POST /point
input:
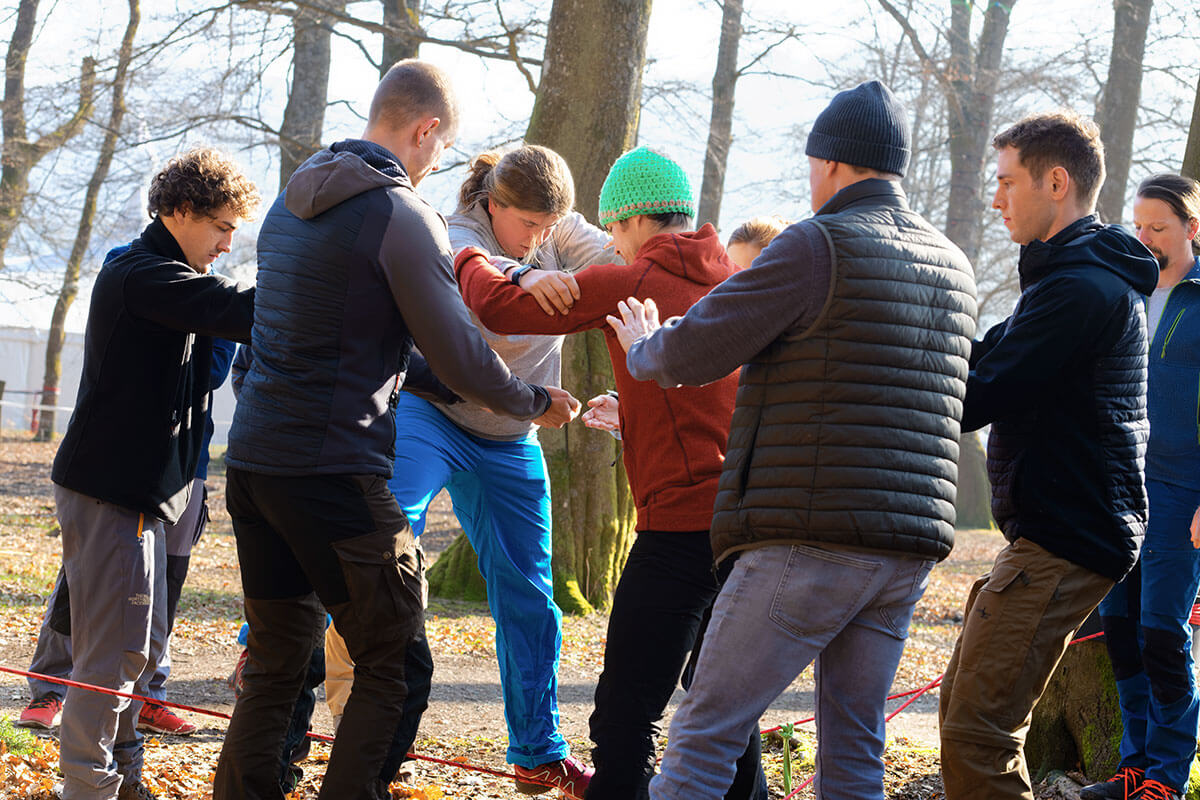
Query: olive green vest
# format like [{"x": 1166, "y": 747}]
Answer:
[{"x": 846, "y": 431}]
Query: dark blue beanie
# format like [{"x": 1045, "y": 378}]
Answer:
[{"x": 865, "y": 126}]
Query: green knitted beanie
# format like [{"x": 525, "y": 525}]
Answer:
[{"x": 645, "y": 182}]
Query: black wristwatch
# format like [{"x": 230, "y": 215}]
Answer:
[{"x": 515, "y": 275}]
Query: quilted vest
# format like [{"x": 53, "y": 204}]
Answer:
[{"x": 846, "y": 432}]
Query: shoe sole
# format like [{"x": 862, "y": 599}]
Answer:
[
  {"x": 163, "y": 731},
  {"x": 30, "y": 723}
]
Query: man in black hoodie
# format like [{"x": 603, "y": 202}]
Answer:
[
  {"x": 127, "y": 462},
  {"x": 1063, "y": 384}
]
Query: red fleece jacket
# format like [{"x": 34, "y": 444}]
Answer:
[{"x": 674, "y": 438}]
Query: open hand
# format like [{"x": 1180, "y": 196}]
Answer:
[
  {"x": 637, "y": 320},
  {"x": 563, "y": 408},
  {"x": 554, "y": 291},
  {"x": 602, "y": 414}
]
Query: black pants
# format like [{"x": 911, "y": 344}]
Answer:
[
  {"x": 661, "y": 602},
  {"x": 342, "y": 539}
]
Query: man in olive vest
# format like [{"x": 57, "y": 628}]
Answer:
[{"x": 837, "y": 494}]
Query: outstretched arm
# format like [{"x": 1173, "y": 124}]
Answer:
[{"x": 784, "y": 290}]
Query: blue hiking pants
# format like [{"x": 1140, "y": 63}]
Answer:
[
  {"x": 1149, "y": 641},
  {"x": 501, "y": 496}
]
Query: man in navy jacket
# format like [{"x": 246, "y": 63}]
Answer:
[{"x": 1063, "y": 384}]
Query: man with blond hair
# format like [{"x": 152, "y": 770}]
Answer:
[
  {"x": 126, "y": 464},
  {"x": 1062, "y": 382}
]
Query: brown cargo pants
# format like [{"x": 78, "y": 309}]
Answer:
[{"x": 1019, "y": 619}]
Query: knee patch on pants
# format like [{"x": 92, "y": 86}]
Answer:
[
  {"x": 1165, "y": 660},
  {"x": 1120, "y": 637}
]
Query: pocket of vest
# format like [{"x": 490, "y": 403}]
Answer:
[{"x": 744, "y": 471}]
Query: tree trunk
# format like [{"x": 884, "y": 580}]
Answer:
[
  {"x": 1191, "y": 156},
  {"x": 593, "y": 510},
  {"x": 972, "y": 100},
  {"x": 304, "y": 116},
  {"x": 720, "y": 124},
  {"x": 18, "y": 155},
  {"x": 1077, "y": 723},
  {"x": 973, "y": 506},
  {"x": 400, "y": 15},
  {"x": 1116, "y": 114},
  {"x": 83, "y": 235}
]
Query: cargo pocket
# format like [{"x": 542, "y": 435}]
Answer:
[
  {"x": 382, "y": 578},
  {"x": 999, "y": 627}
]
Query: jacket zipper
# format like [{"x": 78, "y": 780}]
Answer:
[{"x": 1170, "y": 331}]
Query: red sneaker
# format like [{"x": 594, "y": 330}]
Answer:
[
  {"x": 44, "y": 712},
  {"x": 1194, "y": 617},
  {"x": 160, "y": 719},
  {"x": 569, "y": 776}
]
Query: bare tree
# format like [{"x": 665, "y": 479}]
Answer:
[
  {"x": 1116, "y": 114},
  {"x": 83, "y": 235},
  {"x": 403, "y": 20},
  {"x": 720, "y": 127},
  {"x": 304, "y": 115},
  {"x": 19, "y": 154},
  {"x": 1191, "y": 155},
  {"x": 969, "y": 81},
  {"x": 594, "y": 511}
]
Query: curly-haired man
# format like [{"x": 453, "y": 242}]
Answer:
[{"x": 126, "y": 463}]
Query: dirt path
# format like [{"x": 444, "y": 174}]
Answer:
[{"x": 465, "y": 717}]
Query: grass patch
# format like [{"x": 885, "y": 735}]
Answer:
[
  {"x": 14, "y": 739},
  {"x": 210, "y": 604}
]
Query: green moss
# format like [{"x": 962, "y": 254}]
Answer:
[{"x": 568, "y": 595}]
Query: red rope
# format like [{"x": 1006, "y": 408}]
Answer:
[
  {"x": 916, "y": 693},
  {"x": 320, "y": 737}
]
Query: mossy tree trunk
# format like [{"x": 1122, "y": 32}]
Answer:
[
  {"x": 973, "y": 506},
  {"x": 1077, "y": 723},
  {"x": 589, "y": 115}
]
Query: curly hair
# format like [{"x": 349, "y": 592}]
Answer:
[{"x": 201, "y": 181}]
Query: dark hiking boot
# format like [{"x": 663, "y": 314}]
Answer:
[
  {"x": 1155, "y": 790},
  {"x": 1119, "y": 787}
]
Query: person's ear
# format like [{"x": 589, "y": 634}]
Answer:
[
  {"x": 1060, "y": 182},
  {"x": 425, "y": 129}
]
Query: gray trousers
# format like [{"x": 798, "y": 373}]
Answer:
[
  {"x": 53, "y": 653},
  {"x": 109, "y": 557}
]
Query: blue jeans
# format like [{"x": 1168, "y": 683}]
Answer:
[
  {"x": 782, "y": 608},
  {"x": 501, "y": 496},
  {"x": 1149, "y": 641}
]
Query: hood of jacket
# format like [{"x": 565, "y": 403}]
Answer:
[
  {"x": 1088, "y": 242},
  {"x": 696, "y": 256},
  {"x": 343, "y": 170}
]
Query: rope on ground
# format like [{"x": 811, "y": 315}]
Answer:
[
  {"x": 936, "y": 682},
  {"x": 320, "y": 737},
  {"x": 912, "y": 694}
]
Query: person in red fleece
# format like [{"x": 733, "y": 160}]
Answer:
[{"x": 674, "y": 450}]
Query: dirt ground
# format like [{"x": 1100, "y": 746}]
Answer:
[{"x": 465, "y": 718}]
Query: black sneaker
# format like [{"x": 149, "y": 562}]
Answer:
[
  {"x": 1155, "y": 790},
  {"x": 1119, "y": 787}
]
